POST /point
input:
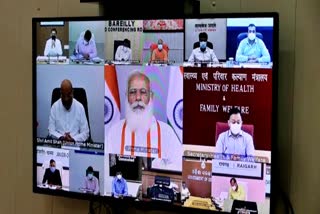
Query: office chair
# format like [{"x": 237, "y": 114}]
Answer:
[
  {"x": 197, "y": 44},
  {"x": 243, "y": 35},
  {"x": 80, "y": 95}
]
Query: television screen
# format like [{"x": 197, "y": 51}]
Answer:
[{"x": 178, "y": 111}]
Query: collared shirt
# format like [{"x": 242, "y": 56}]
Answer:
[
  {"x": 163, "y": 142},
  {"x": 242, "y": 144},
  {"x": 207, "y": 56},
  {"x": 258, "y": 50},
  {"x": 158, "y": 55},
  {"x": 82, "y": 47},
  {"x": 123, "y": 53},
  {"x": 240, "y": 194},
  {"x": 73, "y": 121},
  {"x": 53, "y": 47},
  {"x": 92, "y": 184},
  {"x": 119, "y": 187}
]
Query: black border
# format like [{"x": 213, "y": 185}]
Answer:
[{"x": 153, "y": 204}]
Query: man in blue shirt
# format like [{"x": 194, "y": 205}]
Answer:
[
  {"x": 235, "y": 141},
  {"x": 119, "y": 186},
  {"x": 252, "y": 49}
]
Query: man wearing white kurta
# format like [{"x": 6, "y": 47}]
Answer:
[
  {"x": 53, "y": 45},
  {"x": 140, "y": 133},
  {"x": 67, "y": 119}
]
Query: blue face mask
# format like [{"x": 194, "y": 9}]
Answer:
[
  {"x": 90, "y": 176},
  {"x": 160, "y": 46},
  {"x": 52, "y": 169},
  {"x": 203, "y": 45}
]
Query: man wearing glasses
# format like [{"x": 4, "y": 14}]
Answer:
[
  {"x": 140, "y": 133},
  {"x": 235, "y": 141},
  {"x": 252, "y": 49}
]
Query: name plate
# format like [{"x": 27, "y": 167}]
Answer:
[{"x": 237, "y": 168}]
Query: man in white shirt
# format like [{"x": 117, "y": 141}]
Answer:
[
  {"x": 68, "y": 119},
  {"x": 203, "y": 53},
  {"x": 140, "y": 133},
  {"x": 185, "y": 193},
  {"x": 235, "y": 141},
  {"x": 124, "y": 53},
  {"x": 85, "y": 47},
  {"x": 53, "y": 45}
]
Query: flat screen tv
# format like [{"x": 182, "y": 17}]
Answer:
[{"x": 171, "y": 111}]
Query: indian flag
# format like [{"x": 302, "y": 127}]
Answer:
[
  {"x": 175, "y": 100},
  {"x": 111, "y": 97}
]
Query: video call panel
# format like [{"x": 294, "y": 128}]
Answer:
[{"x": 140, "y": 105}]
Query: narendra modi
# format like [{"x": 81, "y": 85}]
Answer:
[{"x": 140, "y": 133}]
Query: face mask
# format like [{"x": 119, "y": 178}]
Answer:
[
  {"x": 251, "y": 36},
  {"x": 52, "y": 168},
  {"x": 234, "y": 188},
  {"x": 160, "y": 46},
  {"x": 90, "y": 176},
  {"x": 119, "y": 176},
  {"x": 235, "y": 128},
  {"x": 53, "y": 37},
  {"x": 203, "y": 45}
]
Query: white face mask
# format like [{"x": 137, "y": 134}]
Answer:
[
  {"x": 119, "y": 176},
  {"x": 125, "y": 49},
  {"x": 251, "y": 36},
  {"x": 160, "y": 46},
  {"x": 234, "y": 188},
  {"x": 235, "y": 128}
]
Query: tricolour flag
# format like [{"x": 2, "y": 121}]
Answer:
[
  {"x": 111, "y": 97},
  {"x": 175, "y": 100}
]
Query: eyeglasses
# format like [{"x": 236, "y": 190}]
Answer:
[{"x": 143, "y": 92}]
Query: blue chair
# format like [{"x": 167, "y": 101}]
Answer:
[{"x": 243, "y": 35}]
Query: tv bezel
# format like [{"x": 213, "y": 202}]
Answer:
[{"x": 155, "y": 205}]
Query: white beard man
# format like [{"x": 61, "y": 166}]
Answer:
[{"x": 140, "y": 133}]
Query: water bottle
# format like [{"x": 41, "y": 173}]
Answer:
[{"x": 230, "y": 62}]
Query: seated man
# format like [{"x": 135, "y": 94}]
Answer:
[
  {"x": 235, "y": 141},
  {"x": 159, "y": 54},
  {"x": 53, "y": 45},
  {"x": 203, "y": 53},
  {"x": 68, "y": 119},
  {"x": 185, "y": 193},
  {"x": 236, "y": 192},
  {"x": 119, "y": 186},
  {"x": 52, "y": 175},
  {"x": 140, "y": 133},
  {"x": 252, "y": 49},
  {"x": 124, "y": 53},
  {"x": 85, "y": 47},
  {"x": 91, "y": 183}
]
